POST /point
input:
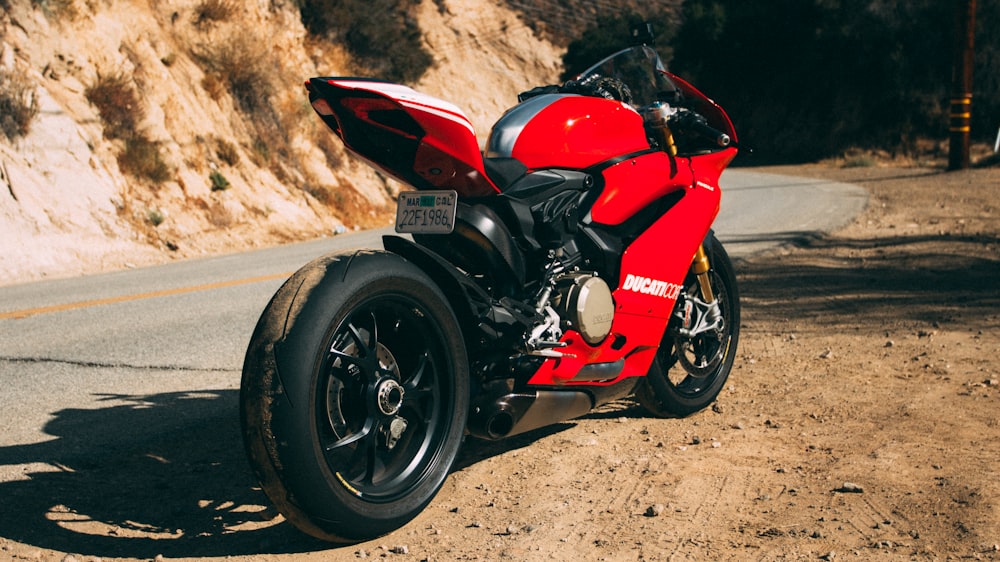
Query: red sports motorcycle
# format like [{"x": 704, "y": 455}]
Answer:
[{"x": 571, "y": 265}]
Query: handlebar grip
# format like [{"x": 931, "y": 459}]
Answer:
[
  {"x": 713, "y": 134},
  {"x": 692, "y": 122}
]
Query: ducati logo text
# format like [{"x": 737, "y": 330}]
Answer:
[{"x": 654, "y": 287}]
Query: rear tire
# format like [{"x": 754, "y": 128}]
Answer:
[
  {"x": 688, "y": 373},
  {"x": 354, "y": 395}
]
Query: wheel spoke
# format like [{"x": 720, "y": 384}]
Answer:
[
  {"x": 417, "y": 387},
  {"x": 365, "y": 433},
  {"x": 366, "y": 347},
  {"x": 346, "y": 358},
  {"x": 369, "y": 450}
]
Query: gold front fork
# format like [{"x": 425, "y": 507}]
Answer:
[{"x": 700, "y": 267}]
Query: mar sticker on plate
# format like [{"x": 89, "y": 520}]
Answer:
[{"x": 426, "y": 212}]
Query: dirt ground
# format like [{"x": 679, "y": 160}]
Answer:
[{"x": 860, "y": 423}]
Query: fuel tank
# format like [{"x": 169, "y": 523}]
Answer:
[{"x": 566, "y": 131}]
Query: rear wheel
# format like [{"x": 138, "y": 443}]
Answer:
[
  {"x": 354, "y": 396},
  {"x": 689, "y": 371}
]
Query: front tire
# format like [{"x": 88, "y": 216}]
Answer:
[
  {"x": 689, "y": 372},
  {"x": 354, "y": 395}
]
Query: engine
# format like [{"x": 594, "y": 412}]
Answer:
[
  {"x": 584, "y": 304},
  {"x": 571, "y": 301}
]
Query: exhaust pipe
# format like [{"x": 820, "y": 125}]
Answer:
[{"x": 519, "y": 412}]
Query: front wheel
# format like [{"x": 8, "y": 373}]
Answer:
[
  {"x": 689, "y": 371},
  {"x": 354, "y": 395}
]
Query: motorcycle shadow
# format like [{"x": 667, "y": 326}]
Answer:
[
  {"x": 161, "y": 474},
  {"x": 165, "y": 474}
]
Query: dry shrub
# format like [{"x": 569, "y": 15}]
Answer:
[
  {"x": 227, "y": 152},
  {"x": 244, "y": 66},
  {"x": 118, "y": 105},
  {"x": 64, "y": 8},
  {"x": 18, "y": 104},
  {"x": 142, "y": 158},
  {"x": 384, "y": 35},
  {"x": 213, "y": 11},
  {"x": 121, "y": 111}
]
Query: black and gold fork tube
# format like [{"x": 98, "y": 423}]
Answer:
[{"x": 700, "y": 267}]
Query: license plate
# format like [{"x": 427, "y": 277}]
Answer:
[{"x": 426, "y": 212}]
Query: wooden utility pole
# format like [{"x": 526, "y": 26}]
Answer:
[{"x": 961, "y": 100}]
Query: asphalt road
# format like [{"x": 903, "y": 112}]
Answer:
[{"x": 71, "y": 349}]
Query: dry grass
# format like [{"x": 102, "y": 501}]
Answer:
[
  {"x": 142, "y": 158},
  {"x": 18, "y": 104},
  {"x": 209, "y": 11},
  {"x": 121, "y": 111},
  {"x": 118, "y": 104}
]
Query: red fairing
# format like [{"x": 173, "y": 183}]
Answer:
[
  {"x": 716, "y": 116},
  {"x": 417, "y": 138},
  {"x": 654, "y": 266},
  {"x": 567, "y": 131}
]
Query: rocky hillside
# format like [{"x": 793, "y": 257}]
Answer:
[{"x": 177, "y": 128}]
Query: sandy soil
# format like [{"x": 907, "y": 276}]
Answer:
[{"x": 859, "y": 424}]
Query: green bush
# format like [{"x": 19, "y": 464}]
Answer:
[
  {"x": 155, "y": 217},
  {"x": 383, "y": 34},
  {"x": 219, "y": 181},
  {"x": 18, "y": 104}
]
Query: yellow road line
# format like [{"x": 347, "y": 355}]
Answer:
[{"x": 15, "y": 314}]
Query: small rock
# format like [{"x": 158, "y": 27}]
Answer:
[
  {"x": 826, "y": 354},
  {"x": 850, "y": 488},
  {"x": 513, "y": 529},
  {"x": 402, "y": 549},
  {"x": 695, "y": 440},
  {"x": 828, "y": 556},
  {"x": 890, "y": 343},
  {"x": 716, "y": 444},
  {"x": 655, "y": 510}
]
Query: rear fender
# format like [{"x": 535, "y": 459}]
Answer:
[
  {"x": 461, "y": 293},
  {"x": 481, "y": 244}
]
